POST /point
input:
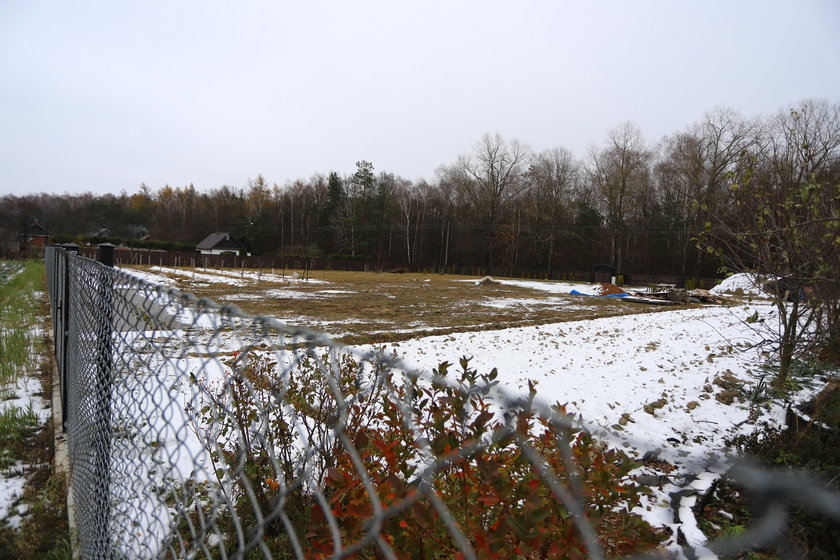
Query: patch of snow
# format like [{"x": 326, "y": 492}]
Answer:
[
  {"x": 149, "y": 277},
  {"x": 270, "y": 294},
  {"x": 256, "y": 276},
  {"x": 546, "y": 286},
  {"x": 749, "y": 284},
  {"x": 192, "y": 274},
  {"x": 11, "y": 490},
  {"x": 568, "y": 304},
  {"x": 23, "y": 395}
]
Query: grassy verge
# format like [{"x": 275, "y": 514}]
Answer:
[
  {"x": 36, "y": 526},
  {"x": 16, "y": 302}
]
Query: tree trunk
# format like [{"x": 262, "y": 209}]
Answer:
[
  {"x": 788, "y": 344},
  {"x": 550, "y": 255},
  {"x": 784, "y": 366}
]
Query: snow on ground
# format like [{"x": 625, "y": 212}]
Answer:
[
  {"x": 547, "y": 286},
  {"x": 257, "y": 276},
  {"x": 607, "y": 368},
  {"x": 748, "y": 284},
  {"x": 23, "y": 395},
  {"x": 554, "y": 287},
  {"x": 193, "y": 274},
  {"x": 282, "y": 293},
  {"x": 11, "y": 489},
  {"x": 160, "y": 279},
  {"x": 167, "y": 276},
  {"x": 551, "y": 286},
  {"x": 271, "y": 294},
  {"x": 568, "y": 304}
]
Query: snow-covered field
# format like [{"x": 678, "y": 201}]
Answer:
[
  {"x": 609, "y": 369},
  {"x": 652, "y": 383}
]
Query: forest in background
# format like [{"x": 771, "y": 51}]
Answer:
[{"x": 636, "y": 205}]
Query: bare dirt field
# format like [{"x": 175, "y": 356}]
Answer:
[{"x": 369, "y": 307}]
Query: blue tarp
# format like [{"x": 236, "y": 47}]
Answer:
[{"x": 577, "y": 293}]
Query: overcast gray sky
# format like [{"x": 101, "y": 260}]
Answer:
[{"x": 101, "y": 95}]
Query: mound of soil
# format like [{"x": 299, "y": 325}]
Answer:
[{"x": 608, "y": 289}]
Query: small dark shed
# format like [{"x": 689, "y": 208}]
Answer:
[{"x": 603, "y": 273}]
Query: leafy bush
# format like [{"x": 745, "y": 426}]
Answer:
[
  {"x": 407, "y": 447},
  {"x": 496, "y": 495}
]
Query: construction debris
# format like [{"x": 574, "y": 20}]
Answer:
[
  {"x": 705, "y": 296},
  {"x": 677, "y": 296}
]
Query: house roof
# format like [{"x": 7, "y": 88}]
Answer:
[
  {"x": 101, "y": 232},
  {"x": 218, "y": 240},
  {"x": 36, "y": 230}
]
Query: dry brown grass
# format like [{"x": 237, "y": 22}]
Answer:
[{"x": 386, "y": 307}]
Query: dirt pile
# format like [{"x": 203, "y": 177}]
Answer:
[{"x": 607, "y": 289}]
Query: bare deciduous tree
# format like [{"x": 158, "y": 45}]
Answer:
[
  {"x": 786, "y": 227},
  {"x": 618, "y": 172},
  {"x": 697, "y": 167},
  {"x": 490, "y": 178},
  {"x": 554, "y": 176}
]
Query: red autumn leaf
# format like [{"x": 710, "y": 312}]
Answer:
[
  {"x": 335, "y": 474},
  {"x": 489, "y": 499}
]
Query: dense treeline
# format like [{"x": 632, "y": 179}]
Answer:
[{"x": 628, "y": 202}]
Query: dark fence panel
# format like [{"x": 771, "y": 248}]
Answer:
[{"x": 126, "y": 256}]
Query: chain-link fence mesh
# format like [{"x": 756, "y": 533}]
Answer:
[{"x": 198, "y": 431}]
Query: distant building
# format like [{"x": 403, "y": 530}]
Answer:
[
  {"x": 36, "y": 236},
  {"x": 219, "y": 243},
  {"x": 101, "y": 232}
]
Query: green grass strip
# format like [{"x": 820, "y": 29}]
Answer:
[{"x": 18, "y": 315}]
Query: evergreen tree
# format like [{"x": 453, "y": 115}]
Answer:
[{"x": 329, "y": 228}]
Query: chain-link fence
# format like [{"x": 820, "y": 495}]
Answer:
[{"x": 198, "y": 431}]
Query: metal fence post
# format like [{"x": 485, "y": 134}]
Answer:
[
  {"x": 69, "y": 248},
  {"x": 105, "y": 253},
  {"x": 104, "y": 385}
]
